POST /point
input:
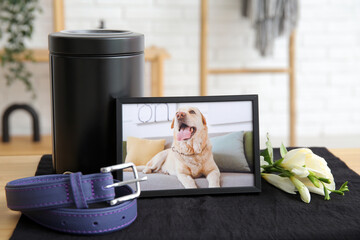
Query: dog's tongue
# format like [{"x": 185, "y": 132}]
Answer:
[{"x": 183, "y": 134}]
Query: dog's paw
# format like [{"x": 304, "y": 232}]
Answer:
[
  {"x": 147, "y": 170},
  {"x": 214, "y": 185},
  {"x": 164, "y": 172}
]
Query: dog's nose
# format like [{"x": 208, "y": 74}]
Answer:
[{"x": 180, "y": 115}]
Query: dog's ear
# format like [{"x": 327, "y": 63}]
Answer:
[
  {"x": 203, "y": 119},
  {"x": 172, "y": 124}
]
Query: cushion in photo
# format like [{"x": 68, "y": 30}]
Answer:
[
  {"x": 228, "y": 151},
  {"x": 248, "y": 146},
  {"x": 123, "y": 151},
  {"x": 140, "y": 151}
]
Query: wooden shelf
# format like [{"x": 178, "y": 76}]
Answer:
[
  {"x": 151, "y": 54},
  {"x": 247, "y": 70},
  {"x": 39, "y": 55},
  {"x": 290, "y": 69},
  {"x": 155, "y": 55}
]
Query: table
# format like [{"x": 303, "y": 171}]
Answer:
[
  {"x": 13, "y": 167},
  {"x": 24, "y": 146}
]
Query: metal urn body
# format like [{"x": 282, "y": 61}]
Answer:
[{"x": 88, "y": 70}]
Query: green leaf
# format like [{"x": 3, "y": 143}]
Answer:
[
  {"x": 266, "y": 156},
  {"x": 278, "y": 162},
  {"x": 17, "y": 22},
  {"x": 286, "y": 173},
  {"x": 275, "y": 169},
  {"x": 283, "y": 150},
  {"x": 269, "y": 148},
  {"x": 265, "y": 167}
]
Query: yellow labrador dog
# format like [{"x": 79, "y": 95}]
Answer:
[{"x": 190, "y": 155}]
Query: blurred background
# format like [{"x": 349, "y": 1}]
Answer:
[{"x": 323, "y": 58}]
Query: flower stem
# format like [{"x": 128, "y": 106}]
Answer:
[{"x": 326, "y": 192}]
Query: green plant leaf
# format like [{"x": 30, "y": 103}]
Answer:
[
  {"x": 266, "y": 156},
  {"x": 283, "y": 150},
  {"x": 278, "y": 162},
  {"x": 17, "y": 21},
  {"x": 286, "y": 173},
  {"x": 269, "y": 148}
]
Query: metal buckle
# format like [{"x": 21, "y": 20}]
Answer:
[{"x": 136, "y": 180}]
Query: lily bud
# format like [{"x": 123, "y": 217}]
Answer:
[
  {"x": 303, "y": 190},
  {"x": 284, "y": 183},
  {"x": 263, "y": 163}
]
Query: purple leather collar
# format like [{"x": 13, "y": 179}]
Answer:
[{"x": 76, "y": 203}]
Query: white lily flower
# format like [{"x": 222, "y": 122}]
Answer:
[
  {"x": 294, "y": 161},
  {"x": 319, "y": 167},
  {"x": 300, "y": 172},
  {"x": 262, "y": 163},
  {"x": 303, "y": 190},
  {"x": 284, "y": 183}
]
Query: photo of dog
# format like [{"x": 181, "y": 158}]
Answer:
[
  {"x": 190, "y": 155},
  {"x": 192, "y": 145}
]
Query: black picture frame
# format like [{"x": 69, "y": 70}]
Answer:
[{"x": 198, "y": 191}]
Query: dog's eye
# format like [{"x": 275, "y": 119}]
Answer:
[{"x": 192, "y": 112}]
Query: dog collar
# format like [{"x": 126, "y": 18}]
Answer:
[
  {"x": 76, "y": 203},
  {"x": 187, "y": 154}
]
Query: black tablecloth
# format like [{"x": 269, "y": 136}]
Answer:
[{"x": 271, "y": 214}]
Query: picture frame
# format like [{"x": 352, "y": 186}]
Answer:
[{"x": 136, "y": 118}]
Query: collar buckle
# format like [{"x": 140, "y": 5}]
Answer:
[{"x": 136, "y": 180}]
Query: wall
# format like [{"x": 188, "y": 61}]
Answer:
[
  {"x": 328, "y": 61},
  {"x": 221, "y": 117}
]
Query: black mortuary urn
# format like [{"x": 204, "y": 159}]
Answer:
[{"x": 88, "y": 70}]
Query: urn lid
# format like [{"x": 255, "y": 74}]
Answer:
[{"x": 96, "y": 42}]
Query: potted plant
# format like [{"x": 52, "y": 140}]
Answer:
[{"x": 16, "y": 25}]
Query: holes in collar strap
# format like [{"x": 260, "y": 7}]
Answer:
[
  {"x": 123, "y": 217},
  {"x": 63, "y": 223},
  {"x": 95, "y": 223}
]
